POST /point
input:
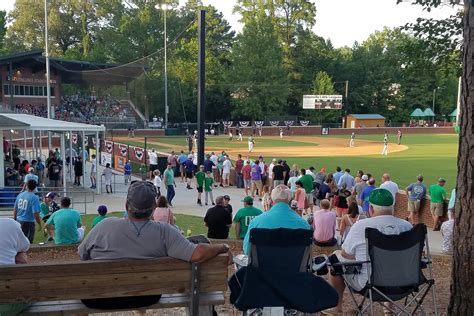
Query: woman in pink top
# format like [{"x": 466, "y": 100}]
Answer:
[
  {"x": 163, "y": 213},
  {"x": 324, "y": 224},
  {"x": 300, "y": 195}
]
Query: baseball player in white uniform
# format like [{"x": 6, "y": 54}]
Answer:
[
  {"x": 385, "y": 145},
  {"x": 352, "y": 141},
  {"x": 251, "y": 143}
]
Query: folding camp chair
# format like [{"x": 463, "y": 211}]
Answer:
[
  {"x": 278, "y": 274},
  {"x": 394, "y": 267}
]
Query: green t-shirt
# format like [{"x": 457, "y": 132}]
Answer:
[
  {"x": 244, "y": 216},
  {"x": 44, "y": 209},
  {"x": 208, "y": 184},
  {"x": 437, "y": 193},
  {"x": 65, "y": 222},
  {"x": 169, "y": 177},
  {"x": 200, "y": 178},
  {"x": 98, "y": 219},
  {"x": 307, "y": 182}
]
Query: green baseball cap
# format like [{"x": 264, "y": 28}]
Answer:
[
  {"x": 441, "y": 180},
  {"x": 381, "y": 197},
  {"x": 248, "y": 199}
]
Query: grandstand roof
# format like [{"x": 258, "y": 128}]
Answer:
[
  {"x": 75, "y": 71},
  {"x": 428, "y": 112},
  {"x": 417, "y": 113},
  {"x": 36, "y": 123},
  {"x": 368, "y": 116}
]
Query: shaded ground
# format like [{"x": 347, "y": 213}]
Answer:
[{"x": 441, "y": 267}]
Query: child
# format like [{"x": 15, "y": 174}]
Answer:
[
  {"x": 157, "y": 181},
  {"x": 127, "y": 172},
  {"x": 107, "y": 173},
  {"x": 208, "y": 181},
  {"x": 102, "y": 210},
  {"x": 300, "y": 195},
  {"x": 267, "y": 202},
  {"x": 200, "y": 178}
]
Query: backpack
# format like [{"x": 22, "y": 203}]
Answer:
[
  {"x": 55, "y": 169},
  {"x": 316, "y": 186}
]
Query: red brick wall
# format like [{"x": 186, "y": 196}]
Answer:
[
  {"x": 392, "y": 130},
  {"x": 424, "y": 216}
]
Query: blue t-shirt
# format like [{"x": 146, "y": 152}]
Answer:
[
  {"x": 365, "y": 197},
  {"x": 31, "y": 176},
  {"x": 337, "y": 176},
  {"x": 417, "y": 191},
  {"x": 26, "y": 204},
  {"x": 188, "y": 165},
  {"x": 182, "y": 158},
  {"x": 279, "y": 216},
  {"x": 127, "y": 169},
  {"x": 208, "y": 164},
  {"x": 65, "y": 222}
]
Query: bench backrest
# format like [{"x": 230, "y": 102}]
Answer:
[{"x": 101, "y": 279}]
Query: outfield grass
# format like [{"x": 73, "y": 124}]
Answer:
[{"x": 185, "y": 223}]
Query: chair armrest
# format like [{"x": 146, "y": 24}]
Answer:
[{"x": 348, "y": 263}]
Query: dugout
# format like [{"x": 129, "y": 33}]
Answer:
[{"x": 365, "y": 120}]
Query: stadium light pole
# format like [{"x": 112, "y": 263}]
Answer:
[
  {"x": 165, "y": 8},
  {"x": 48, "y": 84}
]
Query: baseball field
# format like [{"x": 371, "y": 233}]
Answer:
[{"x": 432, "y": 155}]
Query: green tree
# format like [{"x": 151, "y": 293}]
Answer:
[
  {"x": 260, "y": 84},
  {"x": 323, "y": 84},
  {"x": 3, "y": 28}
]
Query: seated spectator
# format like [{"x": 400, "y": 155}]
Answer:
[
  {"x": 65, "y": 224},
  {"x": 163, "y": 212},
  {"x": 102, "y": 211},
  {"x": 48, "y": 206},
  {"x": 13, "y": 248},
  {"x": 138, "y": 237},
  {"x": 244, "y": 216},
  {"x": 279, "y": 216},
  {"x": 218, "y": 220},
  {"x": 11, "y": 175},
  {"x": 324, "y": 224},
  {"x": 352, "y": 216},
  {"x": 447, "y": 230},
  {"x": 354, "y": 247}
]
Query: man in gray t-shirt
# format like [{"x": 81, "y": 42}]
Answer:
[
  {"x": 138, "y": 237},
  {"x": 360, "y": 186}
]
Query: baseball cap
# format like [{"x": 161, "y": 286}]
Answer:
[
  {"x": 141, "y": 196},
  {"x": 226, "y": 197},
  {"x": 50, "y": 195},
  {"x": 441, "y": 180},
  {"x": 248, "y": 199},
  {"x": 31, "y": 169},
  {"x": 323, "y": 170},
  {"x": 365, "y": 177},
  {"x": 381, "y": 197},
  {"x": 294, "y": 204},
  {"x": 102, "y": 209}
]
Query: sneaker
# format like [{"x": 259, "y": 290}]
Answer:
[
  {"x": 50, "y": 239},
  {"x": 205, "y": 204}
]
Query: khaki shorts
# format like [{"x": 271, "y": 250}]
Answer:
[
  {"x": 413, "y": 206},
  {"x": 437, "y": 209},
  {"x": 309, "y": 198},
  {"x": 258, "y": 185},
  {"x": 225, "y": 176}
]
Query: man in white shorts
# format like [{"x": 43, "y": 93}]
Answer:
[
  {"x": 354, "y": 247},
  {"x": 226, "y": 165}
]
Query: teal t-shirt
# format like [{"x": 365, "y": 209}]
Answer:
[
  {"x": 65, "y": 222},
  {"x": 244, "y": 216},
  {"x": 169, "y": 177},
  {"x": 98, "y": 219}
]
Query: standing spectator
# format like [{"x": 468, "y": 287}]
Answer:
[
  {"x": 218, "y": 220},
  {"x": 170, "y": 184},
  {"x": 208, "y": 181},
  {"x": 263, "y": 169},
  {"x": 173, "y": 161},
  {"x": 40, "y": 171},
  {"x": 287, "y": 170},
  {"x": 310, "y": 171},
  {"x": 157, "y": 181},
  {"x": 292, "y": 182},
  {"x": 279, "y": 216},
  {"x": 83, "y": 153},
  {"x": 153, "y": 159},
  {"x": 267, "y": 201},
  {"x": 181, "y": 160},
  {"x": 438, "y": 197},
  {"x": 239, "y": 164},
  {"x": 66, "y": 225},
  {"x": 270, "y": 172},
  {"x": 389, "y": 185},
  {"x": 93, "y": 172},
  {"x": 200, "y": 178},
  {"x": 447, "y": 230},
  {"x": 364, "y": 197},
  {"x": 359, "y": 187},
  {"x": 324, "y": 191},
  {"x": 337, "y": 175},
  {"x": 27, "y": 210},
  {"x": 256, "y": 178},
  {"x": 346, "y": 180},
  {"x": 340, "y": 201},
  {"x": 300, "y": 195},
  {"x": 127, "y": 172},
  {"x": 162, "y": 212},
  {"x": 189, "y": 168},
  {"x": 226, "y": 166},
  {"x": 11, "y": 175},
  {"x": 247, "y": 177},
  {"x": 324, "y": 224},
  {"x": 215, "y": 161},
  {"x": 244, "y": 216},
  {"x": 451, "y": 203},
  {"x": 279, "y": 173},
  {"x": 294, "y": 172},
  {"x": 227, "y": 204},
  {"x": 54, "y": 173},
  {"x": 416, "y": 193},
  {"x": 320, "y": 176},
  {"x": 307, "y": 182},
  {"x": 102, "y": 211},
  {"x": 107, "y": 173},
  {"x": 31, "y": 176},
  {"x": 78, "y": 171},
  {"x": 208, "y": 164}
]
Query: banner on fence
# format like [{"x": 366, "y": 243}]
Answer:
[
  {"x": 123, "y": 150},
  {"x": 289, "y": 123},
  {"x": 109, "y": 146},
  {"x": 139, "y": 153},
  {"x": 105, "y": 158},
  {"x": 274, "y": 123},
  {"x": 244, "y": 123},
  {"x": 304, "y": 123}
]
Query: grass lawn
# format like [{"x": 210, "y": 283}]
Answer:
[{"x": 185, "y": 222}]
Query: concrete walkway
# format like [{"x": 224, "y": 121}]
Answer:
[{"x": 185, "y": 202}]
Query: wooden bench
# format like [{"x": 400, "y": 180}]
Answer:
[{"x": 56, "y": 288}]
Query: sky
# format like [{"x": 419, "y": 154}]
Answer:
[{"x": 341, "y": 21}]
